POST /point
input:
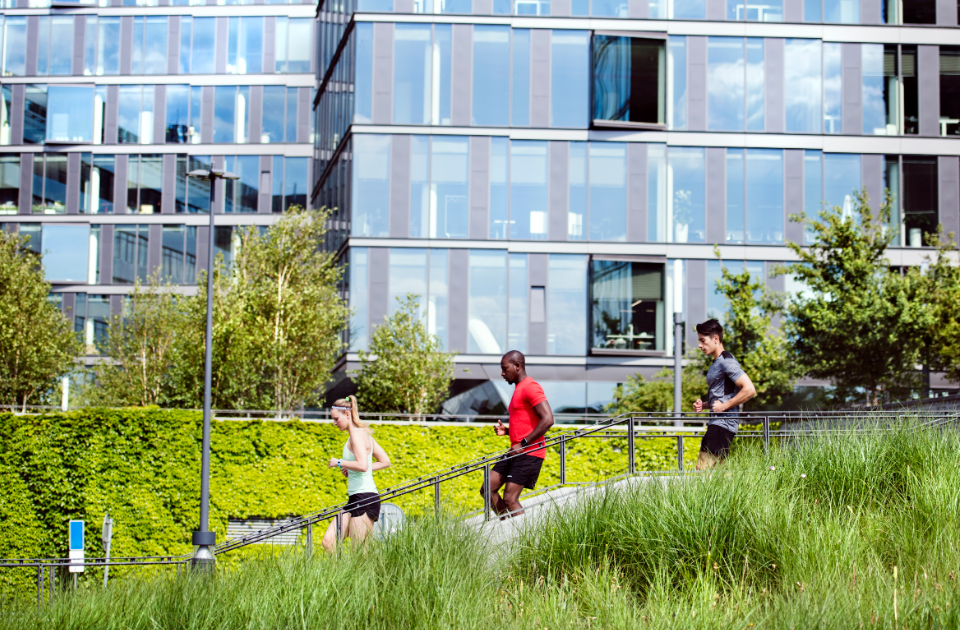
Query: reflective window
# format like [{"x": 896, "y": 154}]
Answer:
[
  {"x": 149, "y": 45},
  {"x": 6, "y": 113},
  {"x": 70, "y": 113},
  {"x": 35, "y": 114},
  {"x": 891, "y": 183},
  {"x": 178, "y": 254},
  {"x": 920, "y": 205},
  {"x": 569, "y": 78},
  {"x": 802, "y": 96},
  {"x": 242, "y": 195},
  {"x": 9, "y": 184},
  {"x": 685, "y": 204},
  {"x": 577, "y": 201},
  {"x": 412, "y": 97},
  {"x": 832, "y": 90},
  {"x": 130, "y": 252},
  {"x": 499, "y": 187},
  {"x": 379, "y": 6},
  {"x": 179, "y": 126},
  {"x": 910, "y": 119},
  {"x": 91, "y": 317},
  {"x": 294, "y": 182},
  {"x": 811, "y": 10},
  {"x": 517, "y": 310},
  {"x": 521, "y": 78},
  {"x": 534, "y": 7},
  {"x": 754, "y": 47},
  {"x": 487, "y": 304},
  {"x": 768, "y": 11},
  {"x": 371, "y": 185},
  {"x": 812, "y": 190},
  {"x": 725, "y": 83},
  {"x": 292, "y": 53},
  {"x": 528, "y": 189},
  {"x": 659, "y": 228},
  {"x": 735, "y": 195},
  {"x": 135, "y": 114},
  {"x": 678, "y": 9},
  {"x": 226, "y": 243},
  {"x": 608, "y": 191},
  {"x": 717, "y": 304},
  {"x": 919, "y": 11},
  {"x": 438, "y": 290},
  {"x": 192, "y": 194},
  {"x": 96, "y": 183},
  {"x": 841, "y": 11},
  {"x": 491, "y": 75},
  {"x": 291, "y": 111},
  {"x": 880, "y": 89},
  {"x": 14, "y": 46},
  {"x": 609, "y": 8},
  {"x": 677, "y": 86},
  {"x": 55, "y": 45},
  {"x": 144, "y": 183},
  {"x": 65, "y": 252},
  {"x": 567, "y": 304},
  {"x": 273, "y": 126},
  {"x": 363, "y": 70},
  {"x": 629, "y": 75},
  {"x": 407, "y": 274},
  {"x": 841, "y": 180},
  {"x": 626, "y": 305},
  {"x": 359, "y": 272},
  {"x": 245, "y": 45},
  {"x": 949, "y": 90},
  {"x": 419, "y": 186},
  {"x": 197, "y": 44},
  {"x": 764, "y": 189},
  {"x": 231, "y": 113},
  {"x": 50, "y": 184},
  {"x": 449, "y": 199},
  {"x": 99, "y": 114},
  {"x": 102, "y": 46}
]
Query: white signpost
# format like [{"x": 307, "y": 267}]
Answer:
[
  {"x": 76, "y": 546},
  {"x": 107, "y": 535}
]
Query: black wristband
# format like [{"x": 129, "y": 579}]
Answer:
[{"x": 524, "y": 442}]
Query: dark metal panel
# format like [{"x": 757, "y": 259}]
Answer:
[
  {"x": 539, "y": 78},
  {"x": 206, "y": 115},
  {"x": 717, "y": 197},
  {"x": 558, "y": 191},
  {"x": 256, "y": 113},
  {"x": 636, "y": 192},
  {"x": 173, "y": 44},
  {"x": 26, "y": 183},
  {"x": 106, "y": 254},
  {"x": 33, "y": 27},
  {"x": 16, "y": 116},
  {"x": 159, "y": 114},
  {"x": 203, "y": 249},
  {"x": 399, "y": 186},
  {"x": 479, "y": 187},
  {"x": 538, "y": 264},
  {"x": 558, "y": 8},
  {"x": 457, "y": 336},
  {"x": 79, "y": 24},
  {"x": 120, "y": 185},
  {"x": 111, "y": 116},
  {"x": 697, "y": 83},
  {"x": 269, "y": 44},
  {"x": 126, "y": 44},
  {"x": 153, "y": 247},
  {"x": 793, "y": 12},
  {"x": 637, "y": 8},
  {"x": 871, "y": 174},
  {"x": 264, "y": 202},
  {"x": 462, "y": 74},
  {"x": 68, "y": 304},
  {"x": 169, "y": 184},
  {"x": 792, "y": 194},
  {"x": 870, "y": 12},
  {"x": 696, "y": 297},
  {"x": 947, "y": 12},
  {"x": 379, "y": 288},
  {"x": 928, "y": 78},
  {"x": 949, "y": 168},
  {"x": 303, "y": 115},
  {"x": 716, "y": 9},
  {"x": 73, "y": 183},
  {"x": 220, "y": 46},
  {"x": 852, "y": 88},
  {"x": 382, "y": 73},
  {"x": 406, "y": 6},
  {"x": 773, "y": 69},
  {"x": 116, "y": 304}
]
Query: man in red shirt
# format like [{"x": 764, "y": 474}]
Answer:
[{"x": 530, "y": 418}]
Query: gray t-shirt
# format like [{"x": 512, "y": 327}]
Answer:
[{"x": 720, "y": 386}]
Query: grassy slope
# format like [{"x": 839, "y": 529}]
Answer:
[{"x": 745, "y": 545}]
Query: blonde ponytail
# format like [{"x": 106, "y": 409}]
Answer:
[{"x": 350, "y": 402}]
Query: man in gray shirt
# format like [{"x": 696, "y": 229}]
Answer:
[{"x": 728, "y": 387}]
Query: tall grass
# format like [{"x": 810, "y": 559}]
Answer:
[{"x": 805, "y": 537}]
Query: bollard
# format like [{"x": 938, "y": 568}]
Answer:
[
  {"x": 309, "y": 541},
  {"x": 486, "y": 493},
  {"x": 680, "y": 452},
  {"x": 436, "y": 496},
  {"x": 563, "y": 461},
  {"x": 631, "y": 454}
]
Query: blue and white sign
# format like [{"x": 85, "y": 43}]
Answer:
[{"x": 76, "y": 546}]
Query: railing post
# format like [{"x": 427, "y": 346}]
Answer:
[
  {"x": 339, "y": 519},
  {"x": 486, "y": 493},
  {"x": 680, "y": 452},
  {"x": 309, "y": 540},
  {"x": 39, "y": 586},
  {"x": 766, "y": 435},
  {"x": 436, "y": 496},
  {"x": 53, "y": 583},
  {"x": 563, "y": 460},
  {"x": 631, "y": 455}
]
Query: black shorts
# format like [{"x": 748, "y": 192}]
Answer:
[
  {"x": 360, "y": 504},
  {"x": 717, "y": 441},
  {"x": 522, "y": 469}
]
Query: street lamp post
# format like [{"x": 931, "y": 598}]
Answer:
[{"x": 203, "y": 539}]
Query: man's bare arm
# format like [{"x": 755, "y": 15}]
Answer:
[
  {"x": 543, "y": 425},
  {"x": 747, "y": 391}
]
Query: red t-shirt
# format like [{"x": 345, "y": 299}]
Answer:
[{"x": 523, "y": 419}]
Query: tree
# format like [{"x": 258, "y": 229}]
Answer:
[
  {"x": 640, "y": 395},
  {"x": 939, "y": 290},
  {"x": 405, "y": 370},
  {"x": 749, "y": 335},
  {"x": 860, "y": 325},
  {"x": 37, "y": 344}
]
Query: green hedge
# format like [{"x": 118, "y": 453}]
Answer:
[{"x": 142, "y": 466}]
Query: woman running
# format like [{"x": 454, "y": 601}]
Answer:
[{"x": 363, "y": 500}]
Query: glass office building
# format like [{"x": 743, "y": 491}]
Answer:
[
  {"x": 552, "y": 175},
  {"x": 107, "y": 105}
]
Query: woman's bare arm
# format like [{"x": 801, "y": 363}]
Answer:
[{"x": 383, "y": 460}]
